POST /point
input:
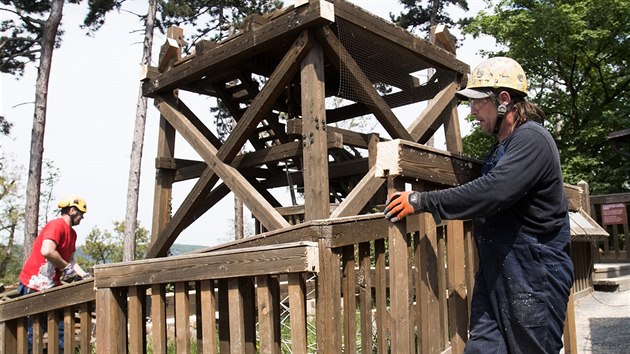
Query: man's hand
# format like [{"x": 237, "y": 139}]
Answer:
[
  {"x": 68, "y": 274},
  {"x": 401, "y": 204}
]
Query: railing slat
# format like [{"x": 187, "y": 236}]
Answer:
[
  {"x": 111, "y": 334},
  {"x": 382, "y": 315},
  {"x": 458, "y": 306},
  {"x": 426, "y": 259},
  {"x": 237, "y": 326},
  {"x": 136, "y": 319},
  {"x": 53, "y": 332},
  {"x": 297, "y": 309},
  {"x": 349, "y": 301},
  {"x": 158, "y": 318},
  {"x": 68, "y": 330},
  {"x": 38, "y": 335},
  {"x": 269, "y": 344},
  {"x": 365, "y": 297},
  {"x": 9, "y": 337},
  {"x": 208, "y": 317},
  {"x": 182, "y": 318},
  {"x": 86, "y": 327}
]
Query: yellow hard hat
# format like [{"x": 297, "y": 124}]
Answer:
[
  {"x": 497, "y": 72},
  {"x": 74, "y": 201}
]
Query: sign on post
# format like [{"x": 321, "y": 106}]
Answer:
[{"x": 614, "y": 214}]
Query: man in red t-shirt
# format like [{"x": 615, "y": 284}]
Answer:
[{"x": 52, "y": 256}]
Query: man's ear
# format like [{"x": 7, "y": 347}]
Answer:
[{"x": 504, "y": 97}]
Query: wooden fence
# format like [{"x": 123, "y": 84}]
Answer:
[{"x": 615, "y": 248}]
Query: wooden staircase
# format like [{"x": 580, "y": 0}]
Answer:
[{"x": 611, "y": 276}]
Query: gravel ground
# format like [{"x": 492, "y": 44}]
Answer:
[{"x": 603, "y": 323}]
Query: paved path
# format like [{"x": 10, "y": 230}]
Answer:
[{"x": 603, "y": 323}]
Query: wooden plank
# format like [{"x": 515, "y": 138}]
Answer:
[
  {"x": 425, "y": 125},
  {"x": 315, "y": 154},
  {"x": 38, "y": 334},
  {"x": 136, "y": 319},
  {"x": 365, "y": 295},
  {"x": 9, "y": 337},
  {"x": 248, "y": 291},
  {"x": 458, "y": 304},
  {"x": 224, "y": 316},
  {"x": 237, "y": 321},
  {"x": 68, "y": 331},
  {"x": 348, "y": 137},
  {"x": 208, "y": 317},
  {"x": 216, "y": 60},
  {"x": 297, "y": 309},
  {"x": 570, "y": 338},
  {"x": 53, "y": 333},
  {"x": 86, "y": 328},
  {"x": 328, "y": 300},
  {"x": 383, "y": 113},
  {"x": 283, "y": 258},
  {"x": 400, "y": 297},
  {"x": 22, "y": 336},
  {"x": 426, "y": 260},
  {"x": 382, "y": 314},
  {"x": 182, "y": 317},
  {"x": 47, "y": 300},
  {"x": 158, "y": 318},
  {"x": 269, "y": 344},
  {"x": 111, "y": 332},
  {"x": 417, "y": 161},
  {"x": 349, "y": 301}
]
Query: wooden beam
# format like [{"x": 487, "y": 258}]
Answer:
[
  {"x": 383, "y": 113},
  {"x": 283, "y": 258},
  {"x": 350, "y": 138},
  {"x": 218, "y": 59},
  {"x": 360, "y": 195},
  {"x": 417, "y": 161},
  {"x": 425, "y": 125},
  {"x": 48, "y": 300},
  {"x": 230, "y": 176},
  {"x": 111, "y": 332}
]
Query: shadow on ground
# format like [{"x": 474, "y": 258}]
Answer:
[{"x": 610, "y": 335}]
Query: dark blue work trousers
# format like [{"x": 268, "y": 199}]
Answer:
[{"x": 521, "y": 292}]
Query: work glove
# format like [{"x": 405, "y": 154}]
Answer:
[
  {"x": 401, "y": 204},
  {"x": 68, "y": 275}
]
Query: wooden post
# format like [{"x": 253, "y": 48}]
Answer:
[
  {"x": 111, "y": 332},
  {"x": 426, "y": 259},
  {"x": 400, "y": 296},
  {"x": 458, "y": 306},
  {"x": 170, "y": 52},
  {"x": 315, "y": 152},
  {"x": 8, "y": 337}
]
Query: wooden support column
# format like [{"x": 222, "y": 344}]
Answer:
[
  {"x": 170, "y": 52},
  {"x": 399, "y": 275},
  {"x": 315, "y": 153},
  {"x": 111, "y": 332},
  {"x": 328, "y": 298}
]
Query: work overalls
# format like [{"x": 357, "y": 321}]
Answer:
[{"x": 522, "y": 287}]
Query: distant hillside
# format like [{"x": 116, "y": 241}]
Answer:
[{"x": 178, "y": 249}]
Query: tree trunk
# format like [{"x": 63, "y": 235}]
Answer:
[
  {"x": 49, "y": 34},
  {"x": 133, "y": 188},
  {"x": 238, "y": 219}
]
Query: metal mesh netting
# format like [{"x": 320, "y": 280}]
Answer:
[{"x": 389, "y": 67}]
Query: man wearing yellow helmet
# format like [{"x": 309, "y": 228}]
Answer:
[
  {"x": 520, "y": 215},
  {"x": 51, "y": 261}
]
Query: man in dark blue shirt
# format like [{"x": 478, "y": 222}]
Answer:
[{"x": 520, "y": 215}]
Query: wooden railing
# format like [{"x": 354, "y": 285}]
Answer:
[
  {"x": 615, "y": 248},
  {"x": 65, "y": 303}
]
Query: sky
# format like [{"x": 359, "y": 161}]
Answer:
[{"x": 90, "y": 117}]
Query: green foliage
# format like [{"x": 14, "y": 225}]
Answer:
[
  {"x": 107, "y": 246},
  {"x": 11, "y": 217},
  {"x": 420, "y": 16},
  {"x": 575, "y": 54},
  {"x": 477, "y": 143}
]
